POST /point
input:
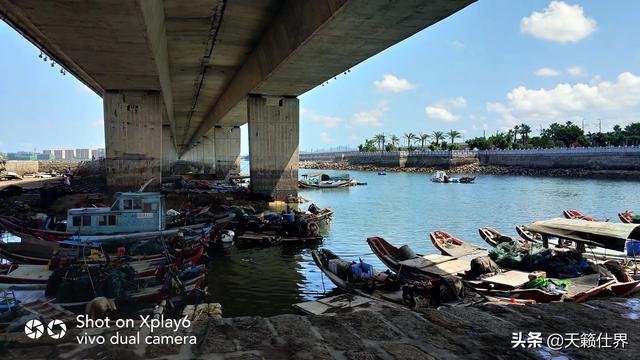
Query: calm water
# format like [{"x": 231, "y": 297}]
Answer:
[{"x": 403, "y": 208}]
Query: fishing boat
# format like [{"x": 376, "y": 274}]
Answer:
[
  {"x": 415, "y": 267},
  {"x": 575, "y": 214},
  {"x": 144, "y": 290},
  {"x": 493, "y": 237},
  {"x": 324, "y": 181},
  {"x": 40, "y": 274},
  {"x": 191, "y": 253},
  {"x": 131, "y": 213},
  {"x": 452, "y": 246},
  {"x": 442, "y": 177},
  {"x": 605, "y": 235},
  {"x": 528, "y": 235},
  {"x": 316, "y": 214},
  {"x": 352, "y": 276},
  {"x": 628, "y": 217}
]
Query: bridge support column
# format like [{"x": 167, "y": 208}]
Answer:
[
  {"x": 273, "y": 145},
  {"x": 169, "y": 153},
  {"x": 227, "y": 145},
  {"x": 202, "y": 156},
  {"x": 133, "y": 138}
]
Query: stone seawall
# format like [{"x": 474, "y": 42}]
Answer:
[
  {"x": 564, "y": 160},
  {"x": 441, "y": 159},
  {"x": 596, "y": 159}
]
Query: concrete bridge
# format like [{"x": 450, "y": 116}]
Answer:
[{"x": 178, "y": 77}]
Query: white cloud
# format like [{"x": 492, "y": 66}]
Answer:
[
  {"x": 324, "y": 120},
  {"x": 326, "y": 138},
  {"x": 564, "y": 101},
  {"x": 391, "y": 83},
  {"x": 559, "y": 22},
  {"x": 458, "y": 45},
  {"x": 370, "y": 118},
  {"x": 440, "y": 110},
  {"x": 547, "y": 72},
  {"x": 576, "y": 71}
]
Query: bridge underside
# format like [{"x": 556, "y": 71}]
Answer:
[{"x": 178, "y": 77}]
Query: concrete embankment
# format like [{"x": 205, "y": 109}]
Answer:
[
  {"x": 606, "y": 162},
  {"x": 483, "y": 331}
]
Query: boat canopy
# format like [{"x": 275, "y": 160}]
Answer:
[{"x": 603, "y": 234}]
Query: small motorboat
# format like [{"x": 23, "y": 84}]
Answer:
[
  {"x": 442, "y": 177},
  {"x": 382, "y": 173},
  {"x": 324, "y": 181},
  {"x": 493, "y": 237},
  {"x": 628, "y": 217},
  {"x": 575, "y": 214},
  {"x": 467, "y": 179},
  {"x": 452, "y": 246}
]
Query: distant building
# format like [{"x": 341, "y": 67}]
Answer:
[
  {"x": 69, "y": 154},
  {"x": 22, "y": 155},
  {"x": 58, "y": 154},
  {"x": 83, "y": 154},
  {"x": 100, "y": 153},
  {"x": 48, "y": 153}
]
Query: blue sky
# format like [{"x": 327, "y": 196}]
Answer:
[{"x": 495, "y": 64}]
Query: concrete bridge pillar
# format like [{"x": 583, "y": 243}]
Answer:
[
  {"x": 169, "y": 153},
  {"x": 227, "y": 149},
  {"x": 273, "y": 145},
  {"x": 133, "y": 138},
  {"x": 203, "y": 155}
]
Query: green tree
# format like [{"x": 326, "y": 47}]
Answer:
[
  {"x": 423, "y": 139},
  {"x": 395, "y": 141},
  {"x": 437, "y": 136},
  {"x": 368, "y": 146},
  {"x": 410, "y": 137},
  {"x": 525, "y": 130},
  {"x": 568, "y": 134},
  {"x": 380, "y": 140},
  {"x": 480, "y": 143},
  {"x": 453, "y": 135}
]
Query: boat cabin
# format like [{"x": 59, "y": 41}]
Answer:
[{"x": 130, "y": 212}]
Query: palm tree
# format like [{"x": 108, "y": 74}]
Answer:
[
  {"x": 410, "y": 137},
  {"x": 453, "y": 135},
  {"x": 525, "y": 130},
  {"x": 395, "y": 141},
  {"x": 423, "y": 139},
  {"x": 437, "y": 136},
  {"x": 380, "y": 139},
  {"x": 516, "y": 131}
]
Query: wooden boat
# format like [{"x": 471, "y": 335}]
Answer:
[
  {"x": 340, "y": 273},
  {"x": 625, "y": 288},
  {"x": 415, "y": 267},
  {"x": 575, "y": 214},
  {"x": 148, "y": 294},
  {"x": 39, "y": 274},
  {"x": 493, "y": 237},
  {"x": 528, "y": 235},
  {"x": 627, "y": 217},
  {"x": 452, "y": 246},
  {"x": 321, "y": 216}
]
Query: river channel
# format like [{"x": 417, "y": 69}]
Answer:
[{"x": 403, "y": 208}]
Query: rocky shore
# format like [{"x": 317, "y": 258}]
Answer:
[{"x": 477, "y": 169}]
